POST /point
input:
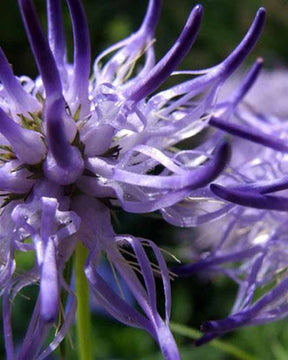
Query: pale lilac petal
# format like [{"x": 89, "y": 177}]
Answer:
[
  {"x": 14, "y": 178},
  {"x": 20, "y": 99},
  {"x": 27, "y": 144},
  {"x": 7, "y": 326},
  {"x": 49, "y": 287},
  {"x": 56, "y": 35},
  {"x": 118, "y": 67},
  {"x": 81, "y": 71}
]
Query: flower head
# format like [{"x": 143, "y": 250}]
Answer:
[
  {"x": 252, "y": 249},
  {"x": 75, "y": 145}
]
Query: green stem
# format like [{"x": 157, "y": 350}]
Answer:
[
  {"x": 83, "y": 320},
  {"x": 217, "y": 344}
]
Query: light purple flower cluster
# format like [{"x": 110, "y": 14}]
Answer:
[
  {"x": 74, "y": 145},
  {"x": 251, "y": 245}
]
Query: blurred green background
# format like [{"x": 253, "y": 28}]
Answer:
[
  {"x": 194, "y": 300},
  {"x": 224, "y": 23}
]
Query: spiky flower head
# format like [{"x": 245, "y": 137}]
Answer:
[
  {"x": 251, "y": 245},
  {"x": 75, "y": 145}
]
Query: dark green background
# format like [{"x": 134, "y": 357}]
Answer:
[{"x": 224, "y": 23}]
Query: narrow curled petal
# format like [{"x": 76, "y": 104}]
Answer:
[
  {"x": 210, "y": 264},
  {"x": 250, "y": 134},
  {"x": 114, "y": 303},
  {"x": 248, "y": 82},
  {"x": 143, "y": 292},
  {"x": 165, "y": 278},
  {"x": 251, "y": 199},
  {"x": 152, "y": 16},
  {"x": 119, "y": 66},
  {"x": 243, "y": 49},
  {"x": 266, "y": 187},
  {"x": 36, "y": 334},
  {"x": 7, "y": 326},
  {"x": 194, "y": 211},
  {"x": 42, "y": 52},
  {"x": 149, "y": 203},
  {"x": 64, "y": 165},
  {"x": 22, "y": 101},
  {"x": 45, "y": 60},
  {"x": 56, "y": 35},
  {"x": 82, "y": 54},
  {"x": 219, "y": 72},
  {"x": 248, "y": 316},
  {"x": 168, "y": 63},
  {"x": 192, "y": 179},
  {"x": 148, "y": 302},
  {"x": 147, "y": 272},
  {"x": 7, "y": 236}
]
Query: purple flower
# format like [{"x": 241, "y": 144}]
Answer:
[
  {"x": 251, "y": 245},
  {"x": 75, "y": 145}
]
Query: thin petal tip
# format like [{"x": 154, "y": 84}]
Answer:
[
  {"x": 261, "y": 15},
  {"x": 217, "y": 189},
  {"x": 261, "y": 11},
  {"x": 199, "y": 8},
  {"x": 197, "y": 12}
]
